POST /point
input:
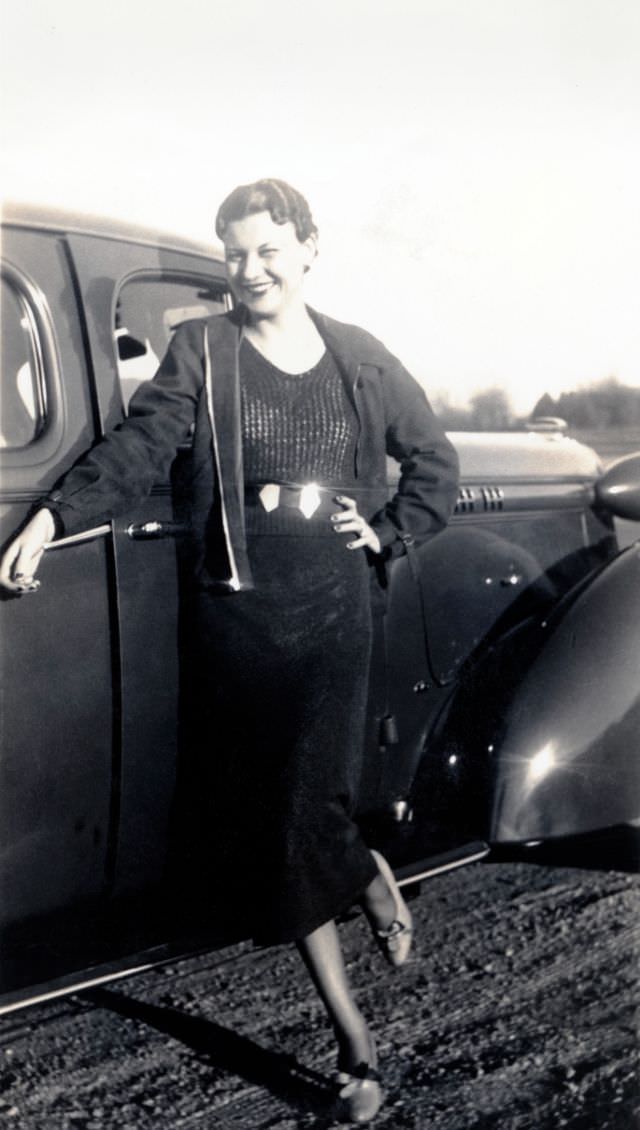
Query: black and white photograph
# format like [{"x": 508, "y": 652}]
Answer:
[{"x": 320, "y": 565}]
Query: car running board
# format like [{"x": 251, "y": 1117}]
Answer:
[
  {"x": 437, "y": 864},
  {"x": 78, "y": 982}
]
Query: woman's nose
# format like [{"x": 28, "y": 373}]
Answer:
[{"x": 251, "y": 266}]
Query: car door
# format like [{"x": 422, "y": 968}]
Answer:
[
  {"x": 59, "y": 690},
  {"x": 134, "y": 295},
  {"x": 90, "y": 661}
]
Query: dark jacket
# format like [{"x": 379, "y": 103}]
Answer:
[{"x": 197, "y": 389}]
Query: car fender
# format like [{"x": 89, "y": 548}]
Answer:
[
  {"x": 542, "y": 738},
  {"x": 567, "y": 758}
]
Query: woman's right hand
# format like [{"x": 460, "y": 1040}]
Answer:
[{"x": 21, "y": 559}]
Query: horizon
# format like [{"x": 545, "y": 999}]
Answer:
[{"x": 474, "y": 170}]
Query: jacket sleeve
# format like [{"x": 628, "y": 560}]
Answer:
[
  {"x": 429, "y": 467},
  {"x": 122, "y": 467}
]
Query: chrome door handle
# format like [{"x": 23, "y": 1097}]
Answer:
[{"x": 150, "y": 531}]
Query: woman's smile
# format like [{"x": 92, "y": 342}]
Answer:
[
  {"x": 257, "y": 288},
  {"x": 266, "y": 260}
]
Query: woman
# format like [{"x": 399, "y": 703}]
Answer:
[{"x": 294, "y": 415}]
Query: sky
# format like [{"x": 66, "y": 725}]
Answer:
[{"x": 473, "y": 165}]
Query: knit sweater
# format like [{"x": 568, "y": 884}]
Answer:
[
  {"x": 197, "y": 384},
  {"x": 296, "y": 428}
]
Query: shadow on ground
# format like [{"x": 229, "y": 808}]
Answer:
[{"x": 277, "y": 1072}]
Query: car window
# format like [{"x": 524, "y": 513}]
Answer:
[
  {"x": 23, "y": 402},
  {"x": 148, "y": 311}
]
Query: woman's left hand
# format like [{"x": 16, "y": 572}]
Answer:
[{"x": 348, "y": 521}]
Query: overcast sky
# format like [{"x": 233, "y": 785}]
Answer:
[{"x": 473, "y": 165}]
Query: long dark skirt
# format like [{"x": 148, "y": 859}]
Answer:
[{"x": 282, "y": 678}]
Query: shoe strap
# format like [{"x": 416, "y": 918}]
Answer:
[
  {"x": 362, "y": 1072},
  {"x": 394, "y": 930}
]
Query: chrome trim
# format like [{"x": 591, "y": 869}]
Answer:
[
  {"x": 154, "y": 529},
  {"x": 492, "y": 497},
  {"x": 34, "y": 310},
  {"x": 76, "y": 539},
  {"x": 234, "y": 580},
  {"x": 466, "y": 501},
  {"x": 76, "y": 987},
  {"x": 424, "y": 870}
]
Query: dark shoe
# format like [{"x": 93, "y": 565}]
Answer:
[
  {"x": 360, "y": 1095},
  {"x": 395, "y": 941}
]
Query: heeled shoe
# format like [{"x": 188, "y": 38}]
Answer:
[
  {"x": 395, "y": 941},
  {"x": 360, "y": 1094}
]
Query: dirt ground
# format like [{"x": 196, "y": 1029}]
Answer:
[{"x": 517, "y": 1010}]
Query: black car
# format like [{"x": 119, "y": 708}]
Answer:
[{"x": 507, "y": 712}]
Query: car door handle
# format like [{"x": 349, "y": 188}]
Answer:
[{"x": 150, "y": 531}]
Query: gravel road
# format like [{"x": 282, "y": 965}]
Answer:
[{"x": 518, "y": 1010}]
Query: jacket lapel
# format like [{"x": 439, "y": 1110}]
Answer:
[
  {"x": 358, "y": 365},
  {"x": 222, "y": 380},
  {"x": 341, "y": 346}
]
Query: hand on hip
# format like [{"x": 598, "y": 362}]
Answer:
[{"x": 348, "y": 520}]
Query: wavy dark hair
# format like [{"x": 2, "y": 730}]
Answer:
[{"x": 279, "y": 199}]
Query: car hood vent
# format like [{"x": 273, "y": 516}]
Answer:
[{"x": 471, "y": 499}]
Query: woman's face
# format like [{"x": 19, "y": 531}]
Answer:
[{"x": 266, "y": 263}]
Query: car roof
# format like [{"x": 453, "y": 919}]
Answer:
[{"x": 45, "y": 218}]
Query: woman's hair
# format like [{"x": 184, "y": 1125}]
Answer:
[{"x": 279, "y": 199}]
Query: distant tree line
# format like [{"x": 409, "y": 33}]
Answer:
[
  {"x": 607, "y": 404},
  {"x": 489, "y": 410},
  {"x": 604, "y": 404}
]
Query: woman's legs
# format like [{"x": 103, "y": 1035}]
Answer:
[
  {"x": 378, "y": 903},
  {"x": 322, "y": 955},
  {"x": 388, "y": 913}
]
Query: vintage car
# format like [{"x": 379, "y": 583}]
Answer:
[{"x": 506, "y": 712}]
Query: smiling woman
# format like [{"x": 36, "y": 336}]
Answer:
[
  {"x": 270, "y": 242},
  {"x": 293, "y": 416},
  {"x": 266, "y": 263}
]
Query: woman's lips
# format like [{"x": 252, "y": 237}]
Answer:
[{"x": 258, "y": 289}]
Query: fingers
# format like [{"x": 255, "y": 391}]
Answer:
[
  {"x": 350, "y": 521},
  {"x": 15, "y": 577},
  {"x": 7, "y": 567},
  {"x": 18, "y": 567},
  {"x": 345, "y": 525},
  {"x": 347, "y": 520},
  {"x": 25, "y": 584},
  {"x": 23, "y": 556},
  {"x": 369, "y": 540},
  {"x": 359, "y": 543},
  {"x": 349, "y": 508}
]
